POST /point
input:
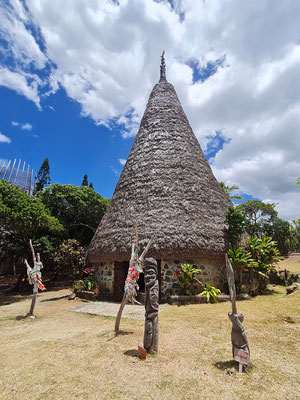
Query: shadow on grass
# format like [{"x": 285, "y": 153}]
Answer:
[
  {"x": 9, "y": 296},
  {"x": 124, "y": 333},
  {"x": 55, "y": 298},
  {"x": 20, "y": 317},
  {"x": 132, "y": 353},
  {"x": 119, "y": 333},
  {"x": 224, "y": 365}
]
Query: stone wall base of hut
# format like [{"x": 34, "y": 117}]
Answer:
[
  {"x": 104, "y": 275},
  {"x": 213, "y": 271}
]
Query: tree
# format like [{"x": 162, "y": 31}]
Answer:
[
  {"x": 264, "y": 252},
  {"x": 43, "y": 176},
  {"x": 91, "y": 185},
  {"x": 257, "y": 213},
  {"x": 85, "y": 181},
  {"x": 295, "y": 234},
  {"x": 228, "y": 189},
  {"x": 23, "y": 217},
  {"x": 236, "y": 221},
  {"x": 298, "y": 181},
  {"x": 281, "y": 232},
  {"x": 79, "y": 209},
  {"x": 261, "y": 256},
  {"x": 71, "y": 256}
]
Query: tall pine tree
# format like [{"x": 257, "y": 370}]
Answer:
[
  {"x": 85, "y": 181},
  {"x": 43, "y": 176}
]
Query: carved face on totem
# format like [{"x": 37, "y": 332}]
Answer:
[
  {"x": 150, "y": 272},
  {"x": 151, "y": 283}
]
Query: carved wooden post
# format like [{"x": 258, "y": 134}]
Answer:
[
  {"x": 151, "y": 306},
  {"x": 131, "y": 286},
  {"x": 239, "y": 340},
  {"x": 35, "y": 278}
]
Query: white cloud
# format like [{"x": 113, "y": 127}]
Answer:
[
  {"x": 106, "y": 57},
  {"x": 115, "y": 171},
  {"x": 4, "y": 139},
  {"x": 26, "y": 127},
  {"x": 20, "y": 83},
  {"x": 14, "y": 29},
  {"x": 122, "y": 161}
]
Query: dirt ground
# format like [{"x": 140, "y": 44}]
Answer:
[{"x": 69, "y": 355}]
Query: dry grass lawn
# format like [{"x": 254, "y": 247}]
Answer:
[
  {"x": 291, "y": 263},
  {"x": 68, "y": 355}
]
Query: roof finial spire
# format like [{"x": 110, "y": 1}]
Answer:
[{"x": 163, "y": 68}]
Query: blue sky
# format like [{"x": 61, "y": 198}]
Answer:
[
  {"x": 74, "y": 86},
  {"x": 73, "y": 144}
]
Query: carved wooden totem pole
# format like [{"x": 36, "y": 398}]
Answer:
[
  {"x": 239, "y": 340},
  {"x": 151, "y": 306},
  {"x": 35, "y": 278}
]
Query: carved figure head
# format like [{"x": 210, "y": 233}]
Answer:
[{"x": 150, "y": 272}]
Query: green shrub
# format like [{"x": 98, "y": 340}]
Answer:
[
  {"x": 187, "y": 275},
  {"x": 210, "y": 292}
]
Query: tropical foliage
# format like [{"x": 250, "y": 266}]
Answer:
[
  {"x": 210, "y": 292},
  {"x": 79, "y": 209},
  {"x": 265, "y": 254},
  {"x": 88, "y": 282},
  {"x": 55, "y": 214},
  {"x": 255, "y": 218},
  {"x": 23, "y": 217},
  {"x": 257, "y": 214},
  {"x": 187, "y": 276},
  {"x": 228, "y": 190},
  {"x": 236, "y": 221},
  {"x": 71, "y": 257}
]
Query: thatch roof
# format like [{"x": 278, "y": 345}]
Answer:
[{"x": 167, "y": 187}]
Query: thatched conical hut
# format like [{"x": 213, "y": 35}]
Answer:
[{"x": 167, "y": 187}]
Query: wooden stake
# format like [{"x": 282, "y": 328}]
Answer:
[
  {"x": 231, "y": 284},
  {"x": 32, "y": 251},
  {"x": 33, "y": 301},
  {"x": 146, "y": 249},
  {"x": 136, "y": 236},
  {"x": 140, "y": 261},
  {"x": 34, "y": 184},
  {"x": 6, "y": 169},
  {"x": 27, "y": 178},
  {"x": 119, "y": 315},
  {"x": 21, "y": 177},
  {"x": 17, "y": 172},
  {"x": 2, "y": 166},
  {"x": 11, "y": 171},
  {"x": 30, "y": 180}
]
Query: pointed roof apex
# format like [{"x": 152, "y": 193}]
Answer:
[{"x": 163, "y": 68}]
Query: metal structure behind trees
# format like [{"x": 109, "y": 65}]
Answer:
[{"x": 19, "y": 174}]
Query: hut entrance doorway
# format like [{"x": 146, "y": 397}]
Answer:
[
  {"x": 120, "y": 275},
  {"x": 121, "y": 270},
  {"x": 141, "y": 283}
]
